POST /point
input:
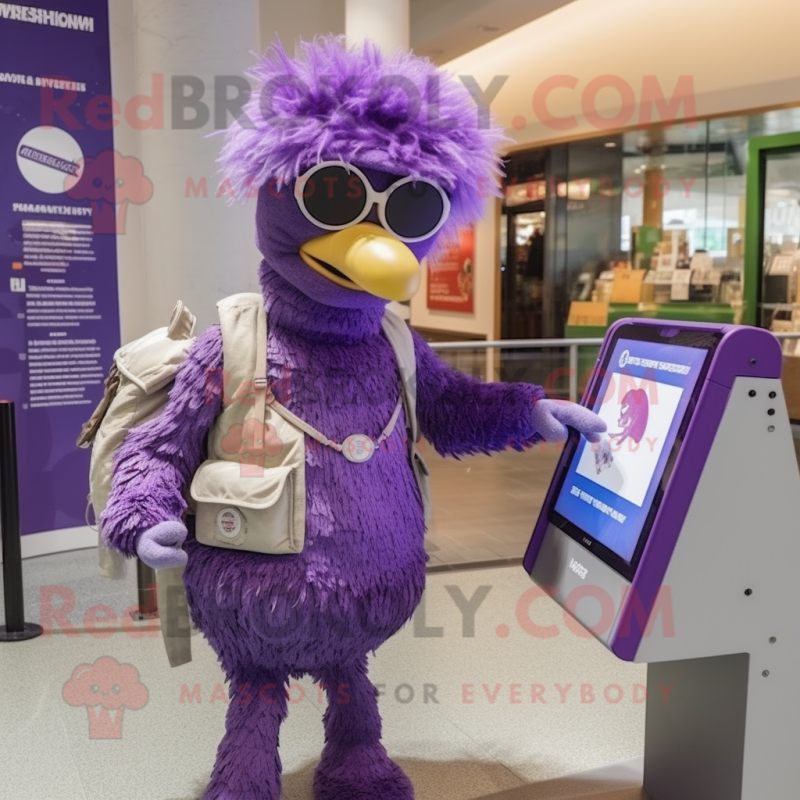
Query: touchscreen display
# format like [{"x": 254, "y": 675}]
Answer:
[{"x": 609, "y": 486}]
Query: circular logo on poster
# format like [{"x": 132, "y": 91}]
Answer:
[
  {"x": 50, "y": 159},
  {"x": 229, "y": 522},
  {"x": 624, "y": 358}
]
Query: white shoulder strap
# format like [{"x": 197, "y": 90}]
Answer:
[
  {"x": 239, "y": 319},
  {"x": 243, "y": 321},
  {"x": 399, "y": 335}
]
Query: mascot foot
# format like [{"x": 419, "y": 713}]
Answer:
[
  {"x": 227, "y": 789},
  {"x": 360, "y": 773}
]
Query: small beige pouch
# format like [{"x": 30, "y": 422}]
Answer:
[{"x": 253, "y": 513}]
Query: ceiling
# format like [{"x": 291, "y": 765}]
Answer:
[
  {"x": 445, "y": 29},
  {"x": 614, "y": 57}
]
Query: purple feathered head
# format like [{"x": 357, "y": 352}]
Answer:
[{"x": 397, "y": 113}]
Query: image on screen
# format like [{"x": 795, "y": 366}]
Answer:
[
  {"x": 609, "y": 486},
  {"x": 638, "y": 422}
]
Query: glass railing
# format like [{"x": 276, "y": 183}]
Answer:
[
  {"x": 484, "y": 507},
  {"x": 561, "y": 366}
]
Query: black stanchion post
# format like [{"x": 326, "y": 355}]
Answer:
[{"x": 15, "y": 629}]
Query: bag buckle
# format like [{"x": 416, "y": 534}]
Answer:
[{"x": 262, "y": 385}]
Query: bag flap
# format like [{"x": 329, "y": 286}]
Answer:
[
  {"x": 152, "y": 361},
  {"x": 237, "y": 484}
]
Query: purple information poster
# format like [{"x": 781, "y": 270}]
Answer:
[{"x": 59, "y": 308}]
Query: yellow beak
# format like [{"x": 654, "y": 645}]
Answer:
[{"x": 365, "y": 257}]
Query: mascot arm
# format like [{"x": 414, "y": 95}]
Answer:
[
  {"x": 157, "y": 459},
  {"x": 460, "y": 414}
]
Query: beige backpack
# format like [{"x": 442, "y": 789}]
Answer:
[{"x": 136, "y": 390}]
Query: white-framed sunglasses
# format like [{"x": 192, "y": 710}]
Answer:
[{"x": 335, "y": 195}]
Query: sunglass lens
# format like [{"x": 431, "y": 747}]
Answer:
[
  {"x": 333, "y": 196},
  {"x": 414, "y": 209}
]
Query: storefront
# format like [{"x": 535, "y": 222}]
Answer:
[
  {"x": 664, "y": 222},
  {"x": 772, "y": 246},
  {"x": 652, "y": 223}
]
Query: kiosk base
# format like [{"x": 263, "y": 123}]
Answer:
[{"x": 695, "y": 728}]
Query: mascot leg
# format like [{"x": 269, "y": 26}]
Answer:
[
  {"x": 354, "y": 763},
  {"x": 248, "y": 766}
]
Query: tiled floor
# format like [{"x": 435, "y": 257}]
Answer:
[
  {"x": 487, "y": 741},
  {"x": 483, "y": 739},
  {"x": 485, "y": 507}
]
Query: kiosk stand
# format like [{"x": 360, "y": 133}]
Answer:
[{"x": 674, "y": 541}]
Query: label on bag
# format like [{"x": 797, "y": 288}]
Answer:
[{"x": 229, "y": 522}]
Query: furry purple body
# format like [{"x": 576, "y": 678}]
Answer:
[{"x": 362, "y": 572}]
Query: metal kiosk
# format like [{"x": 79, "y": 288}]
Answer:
[{"x": 675, "y": 542}]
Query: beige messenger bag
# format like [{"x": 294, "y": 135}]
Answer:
[{"x": 250, "y": 494}]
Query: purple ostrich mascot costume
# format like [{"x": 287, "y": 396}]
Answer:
[{"x": 361, "y": 574}]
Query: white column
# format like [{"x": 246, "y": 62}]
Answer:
[
  {"x": 196, "y": 249},
  {"x": 130, "y": 253},
  {"x": 385, "y": 22},
  {"x": 299, "y": 19}
]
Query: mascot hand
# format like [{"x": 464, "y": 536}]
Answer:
[
  {"x": 160, "y": 546},
  {"x": 552, "y": 417}
]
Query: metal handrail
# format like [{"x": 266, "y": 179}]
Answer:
[
  {"x": 512, "y": 344},
  {"x": 540, "y": 344}
]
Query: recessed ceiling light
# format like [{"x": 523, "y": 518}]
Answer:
[
  {"x": 488, "y": 28},
  {"x": 610, "y": 144}
]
